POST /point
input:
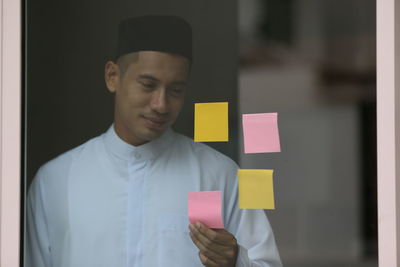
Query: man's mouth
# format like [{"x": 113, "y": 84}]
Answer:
[{"x": 155, "y": 122}]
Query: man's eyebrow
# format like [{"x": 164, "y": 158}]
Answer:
[
  {"x": 179, "y": 83},
  {"x": 148, "y": 77},
  {"x": 152, "y": 78}
]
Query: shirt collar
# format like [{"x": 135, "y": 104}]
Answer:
[{"x": 131, "y": 153}]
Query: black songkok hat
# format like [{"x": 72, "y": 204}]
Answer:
[{"x": 162, "y": 33}]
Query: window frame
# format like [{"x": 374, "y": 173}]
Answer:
[
  {"x": 388, "y": 130},
  {"x": 10, "y": 131}
]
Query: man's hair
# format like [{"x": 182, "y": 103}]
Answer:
[{"x": 123, "y": 62}]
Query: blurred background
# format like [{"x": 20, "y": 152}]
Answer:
[{"x": 312, "y": 61}]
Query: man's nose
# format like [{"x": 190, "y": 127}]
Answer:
[{"x": 159, "y": 101}]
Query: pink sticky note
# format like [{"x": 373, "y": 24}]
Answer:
[
  {"x": 261, "y": 134},
  {"x": 205, "y": 207}
]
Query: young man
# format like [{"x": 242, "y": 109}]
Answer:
[{"x": 120, "y": 199}]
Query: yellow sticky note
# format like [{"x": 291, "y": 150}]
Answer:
[
  {"x": 256, "y": 189},
  {"x": 211, "y": 122}
]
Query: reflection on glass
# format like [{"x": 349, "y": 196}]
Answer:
[{"x": 313, "y": 62}]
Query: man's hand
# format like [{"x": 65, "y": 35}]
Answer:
[{"x": 218, "y": 247}]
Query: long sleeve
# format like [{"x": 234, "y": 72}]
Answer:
[
  {"x": 257, "y": 246},
  {"x": 37, "y": 239},
  {"x": 254, "y": 235}
]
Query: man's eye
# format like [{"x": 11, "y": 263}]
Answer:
[
  {"x": 176, "y": 91},
  {"x": 148, "y": 85}
]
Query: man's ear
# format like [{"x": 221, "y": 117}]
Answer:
[{"x": 112, "y": 76}]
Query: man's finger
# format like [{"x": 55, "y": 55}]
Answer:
[
  {"x": 214, "y": 255},
  {"x": 207, "y": 261},
  {"x": 208, "y": 241},
  {"x": 220, "y": 236}
]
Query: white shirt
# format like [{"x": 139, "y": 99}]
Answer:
[{"x": 108, "y": 203}]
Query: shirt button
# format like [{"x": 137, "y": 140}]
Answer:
[{"x": 137, "y": 156}]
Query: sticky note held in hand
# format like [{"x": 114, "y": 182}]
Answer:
[
  {"x": 206, "y": 207},
  {"x": 256, "y": 189},
  {"x": 211, "y": 122},
  {"x": 260, "y": 133}
]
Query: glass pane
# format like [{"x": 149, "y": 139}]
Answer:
[{"x": 314, "y": 63}]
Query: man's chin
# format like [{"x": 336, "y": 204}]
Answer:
[{"x": 152, "y": 134}]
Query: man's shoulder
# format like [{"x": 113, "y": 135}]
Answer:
[
  {"x": 203, "y": 153},
  {"x": 61, "y": 164}
]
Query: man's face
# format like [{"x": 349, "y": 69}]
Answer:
[{"x": 148, "y": 96}]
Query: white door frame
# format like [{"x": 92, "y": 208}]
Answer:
[
  {"x": 388, "y": 131},
  {"x": 10, "y": 131}
]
